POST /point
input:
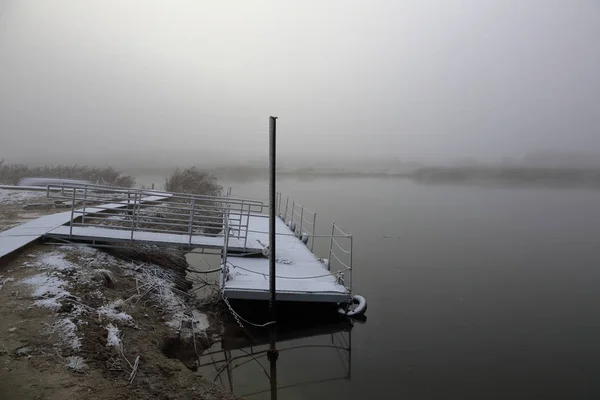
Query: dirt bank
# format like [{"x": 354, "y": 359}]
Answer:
[{"x": 80, "y": 323}]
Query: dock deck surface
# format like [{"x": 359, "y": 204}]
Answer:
[{"x": 300, "y": 275}]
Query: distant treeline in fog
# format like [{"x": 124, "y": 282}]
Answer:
[
  {"x": 508, "y": 175},
  {"x": 476, "y": 174},
  {"x": 511, "y": 175},
  {"x": 11, "y": 174}
]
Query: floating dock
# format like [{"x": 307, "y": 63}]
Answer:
[
  {"x": 236, "y": 229},
  {"x": 301, "y": 275}
]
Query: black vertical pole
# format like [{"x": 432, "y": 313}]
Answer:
[
  {"x": 272, "y": 198},
  {"x": 272, "y": 354}
]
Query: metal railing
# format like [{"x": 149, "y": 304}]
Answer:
[
  {"x": 158, "y": 212},
  {"x": 304, "y": 220},
  {"x": 339, "y": 254},
  {"x": 339, "y": 259}
]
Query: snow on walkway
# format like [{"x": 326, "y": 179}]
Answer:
[
  {"x": 300, "y": 274},
  {"x": 14, "y": 239}
]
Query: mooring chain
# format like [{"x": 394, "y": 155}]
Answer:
[
  {"x": 239, "y": 318},
  {"x": 232, "y": 311}
]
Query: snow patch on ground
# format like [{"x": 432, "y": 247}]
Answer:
[
  {"x": 200, "y": 321},
  {"x": 50, "y": 303},
  {"x": 8, "y": 196},
  {"x": 54, "y": 261},
  {"x": 45, "y": 286},
  {"x": 112, "y": 338},
  {"x": 112, "y": 312}
]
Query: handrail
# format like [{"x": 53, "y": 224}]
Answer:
[{"x": 130, "y": 191}]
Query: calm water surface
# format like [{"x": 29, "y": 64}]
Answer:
[{"x": 473, "y": 292}]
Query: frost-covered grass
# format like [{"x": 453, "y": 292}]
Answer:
[
  {"x": 67, "y": 333},
  {"x": 8, "y": 196},
  {"x": 76, "y": 364},
  {"x": 158, "y": 284},
  {"x": 113, "y": 338},
  {"x": 111, "y": 311},
  {"x": 67, "y": 271},
  {"x": 50, "y": 288},
  {"x": 4, "y": 281},
  {"x": 50, "y": 303}
]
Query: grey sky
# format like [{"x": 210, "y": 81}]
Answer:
[{"x": 416, "y": 79}]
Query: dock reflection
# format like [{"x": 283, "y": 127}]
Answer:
[{"x": 308, "y": 355}]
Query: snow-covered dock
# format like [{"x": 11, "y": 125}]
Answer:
[
  {"x": 236, "y": 229},
  {"x": 301, "y": 276}
]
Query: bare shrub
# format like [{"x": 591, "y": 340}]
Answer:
[
  {"x": 208, "y": 213},
  {"x": 192, "y": 180}
]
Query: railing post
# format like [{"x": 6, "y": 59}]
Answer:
[
  {"x": 192, "y": 219},
  {"x": 133, "y": 214},
  {"x": 351, "y": 249},
  {"x": 312, "y": 242},
  {"x": 286, "y": 208},
  {"x": 241, "y": 218},
  {"x": 279, "y": 204},
  {"x": 247, "y": 225},
  {"x": 330, "y": 246},
  {"x": 72, "y": 212},
  {"x": 84, "y": 201},
  {"x": 293, "y": 209},
  {"x": 226, "y": 242},
  {"x": 301, "y": 219}
]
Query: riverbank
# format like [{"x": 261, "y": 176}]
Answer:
[{"x": 83, "y": 323}]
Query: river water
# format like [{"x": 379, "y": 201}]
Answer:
[{"x": 473, "y": 292}]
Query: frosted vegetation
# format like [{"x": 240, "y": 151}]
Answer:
[{"x": 193, "y": 180}]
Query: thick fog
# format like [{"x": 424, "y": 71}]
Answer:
[{"x": 195, "y": 81}]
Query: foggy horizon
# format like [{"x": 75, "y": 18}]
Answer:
[{"x": 183, "y": 82}]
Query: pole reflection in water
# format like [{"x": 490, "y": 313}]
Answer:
[
  {"x": 273, "y": 378},
  {"x": 308, "y": 355}
]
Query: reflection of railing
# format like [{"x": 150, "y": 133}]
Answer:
[
  {"x": 158, "y": 212},
  {"x": 227, "y": 360}
]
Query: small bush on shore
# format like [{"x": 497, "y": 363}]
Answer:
[{"x": 192, "y": 180}]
